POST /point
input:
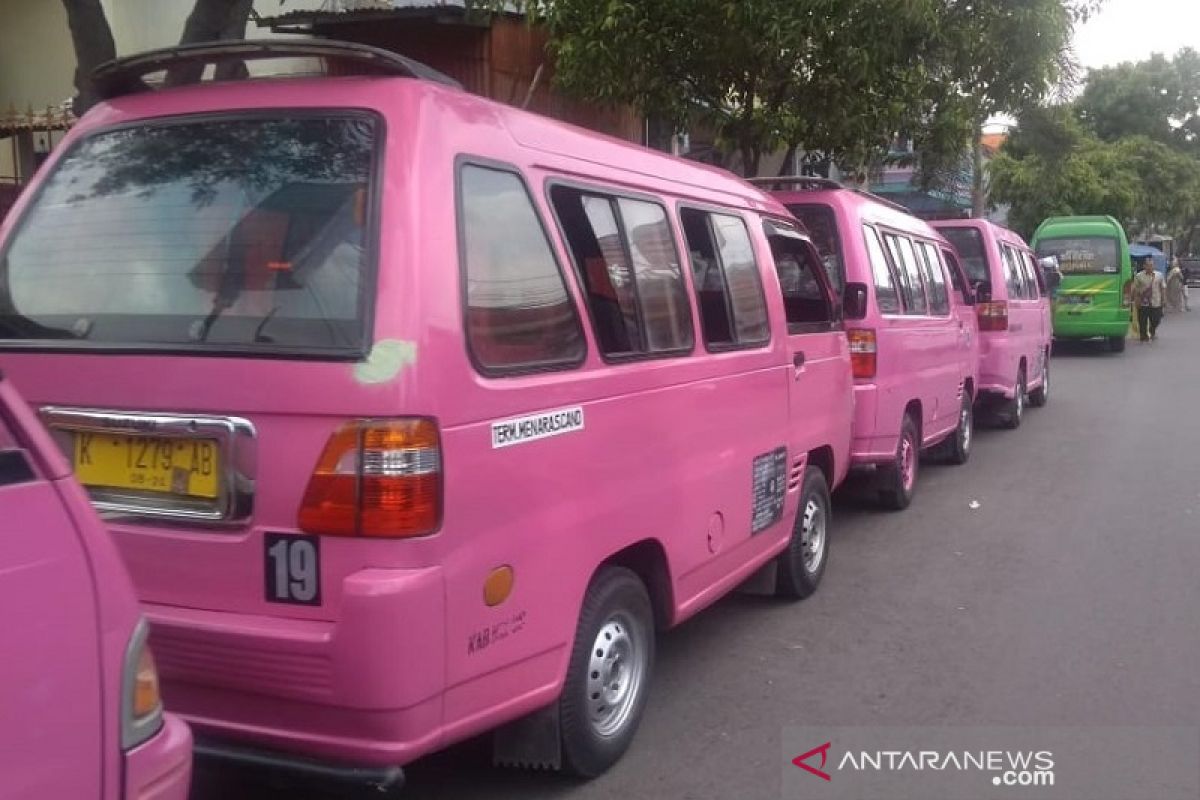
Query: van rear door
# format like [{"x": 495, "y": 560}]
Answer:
[{"x": 51, "y": 737}]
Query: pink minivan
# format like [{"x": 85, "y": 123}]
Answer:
[
  {"x": 81, "y": 712},
  {"x": 1014, "y": 315},
  {"x": 913, "y": 337},
  {"x": 416, "y": 415}
]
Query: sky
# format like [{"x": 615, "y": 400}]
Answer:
[{"x": 1130, "y": 30}]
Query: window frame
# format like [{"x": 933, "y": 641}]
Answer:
[
  {"x": 901, "y": 237},
  {"x": 1038, "y": 278},
  {"x": 709, "y": 211},
  {"x": 872, "y": 229},
  {"x": 831, "y": 298},
  {"x": 372, "y": 232},
  {"x": 1010, "y": 263},
  {"x": 924, "y": 249},
  {"x": 461, "y": 162},
  {"x": 836, "y": 233},
  {"x": 613, "y": 194}
]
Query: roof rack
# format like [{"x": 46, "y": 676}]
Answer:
[
  {"x": 124, "y": 76},
  {"x": 812, "y": 182}
]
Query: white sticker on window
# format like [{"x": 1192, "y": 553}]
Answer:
[{"x": 519, "y": 430}]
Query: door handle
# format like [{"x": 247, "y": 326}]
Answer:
[{"x": 798, "y": 360}]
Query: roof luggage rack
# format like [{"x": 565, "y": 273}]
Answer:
[
  {"x": 813, "y": 182},
  {"x": 126, "y": 75}
]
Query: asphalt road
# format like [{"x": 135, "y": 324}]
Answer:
[{"x": 1069, "y": 596}]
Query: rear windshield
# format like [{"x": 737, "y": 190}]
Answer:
[
  {"x": 233, "y": 235},
  {"x": 1086, "y": 255},
  {"x": 969, "y": 244},
  {"x": 821, "y": 225}
]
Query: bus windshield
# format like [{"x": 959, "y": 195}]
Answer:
[{"x": 1084, "y": 255}]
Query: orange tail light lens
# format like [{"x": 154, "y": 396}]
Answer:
[
  {"x": 379, "y": 478},
  {"x": 863, "y": 352},
  {"x": 992, "y": 316}
]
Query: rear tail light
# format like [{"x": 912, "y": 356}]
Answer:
[
  {"x": 379, "y": 478},
  {"x": 141, "y": 704},
  {"x": 862, "y": 352},
  {"x": 992, "y": 316}
]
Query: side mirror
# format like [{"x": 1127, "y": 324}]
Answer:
[{"x": 854, "y": 301}]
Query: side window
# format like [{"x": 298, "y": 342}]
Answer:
[
  {"x": 1033, "y": 276},
  {"x": 886, "y": 296},
  {"x": 1012, "y": 274},
  {"x": 935, "y": 279},
  {"x": 956, "y": 278},
  {"x": 625, "y": 255},
  {"x": 729, "y": 294},
  {"x": 805, "y": 299},
  {"x": 910, "y": 274},
  {"x": 518, "y": 312}
]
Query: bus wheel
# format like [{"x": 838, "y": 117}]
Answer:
[
  {"x": 1041, "y": 395},
  {"x": 801, "y": 565},
  {"x": 1116, "y": 344},
  {"x": 899, "y": 479},
  {"x": 1013, "y": 411},
  {"x": 609, "y": 673}
]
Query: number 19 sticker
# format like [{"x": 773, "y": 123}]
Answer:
[{"x": 293, "y": 569}]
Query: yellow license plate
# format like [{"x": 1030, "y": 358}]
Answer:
[{"x": 187, "y": 467}]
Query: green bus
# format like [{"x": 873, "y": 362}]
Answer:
[{"x": 1093, "y": 298}]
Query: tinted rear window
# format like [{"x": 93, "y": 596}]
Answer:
[
  {"x": 969, "y": 244},
  {"x": 1082, "y": 255},
  {"x": 822, "y": 227},
  {"x": 233, "y": 235}
]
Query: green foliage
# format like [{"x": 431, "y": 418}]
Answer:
[{"x": 1158, "y": 98}]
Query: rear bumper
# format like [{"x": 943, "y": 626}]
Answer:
[
  {"x": 161, "y": 768},
  {"x": 1110, "y": 324},
  {"x": 364, "y": 689}
]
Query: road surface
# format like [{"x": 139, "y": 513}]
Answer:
[{"x": 1068, "y": 596}]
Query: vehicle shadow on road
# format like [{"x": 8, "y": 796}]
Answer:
[{"x": 1082, "y": 348}]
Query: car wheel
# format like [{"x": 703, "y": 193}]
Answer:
[
  {"x": 957, "y": 447},
  {"x": 1116, "y": 344},
  {"x": 801, "y": 565},
  {"x": 899, "y": 479},
  {"x": 1041, "y": 395},
  {"x": 1013, "y": 411},
  {"x": 608, "y": 677}
]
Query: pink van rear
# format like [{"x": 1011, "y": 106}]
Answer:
[
  {"x": 1013, "y": 308},
  {"x": 397, "y": 418},
  {"x": 913, "y": 336},
  {"x": 81, "y": 711}
]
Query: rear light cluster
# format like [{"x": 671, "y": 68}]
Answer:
[
  {"x": 378, "y": 478},
  {"x": 863, "y": 352},
  {"x": 992, "y": 316}
]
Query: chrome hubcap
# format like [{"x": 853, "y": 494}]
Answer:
[
  {"x": 965, "y": 427},
  {"x": 813, "y": 535},
  {"x": 616, "y": 671}
]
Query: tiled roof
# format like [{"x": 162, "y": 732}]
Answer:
[{"x": 49, "y": 119}]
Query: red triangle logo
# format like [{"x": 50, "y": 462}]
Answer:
[{"x": 819, "y": 772}]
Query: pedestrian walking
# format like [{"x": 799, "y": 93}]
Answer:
[
  {"x": 1149, "y": 293},
  {"x": 1176, "y": 288}
]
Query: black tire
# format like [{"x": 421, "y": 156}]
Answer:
[
  {"x": 616, "y": 605},
  {"x": 956, "y": 449},
  {"x": 800, "y": 566},
  {"x": 897, "y": 485},
  {"x": 1116, "y": 344},
  {"x": 1013, "y": 411},
  {"x": 1041, "y": 395}
]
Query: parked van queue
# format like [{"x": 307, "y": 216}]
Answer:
[{"x": 415, "y": 416}]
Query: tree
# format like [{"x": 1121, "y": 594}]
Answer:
[
  {"x": 1158, "y": 98},
  {"x": 92, "y": 39},
  {"x": 838, "y": 76}
]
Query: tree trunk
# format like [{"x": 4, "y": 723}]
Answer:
[
  {"x": 93, "y": 42},
  {"x": 978, "y": 198},
  {"x": 787, "y": 168},
  {"x": 213, "y": 20}
]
